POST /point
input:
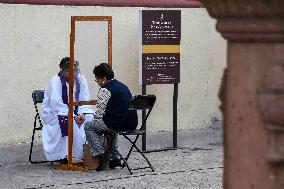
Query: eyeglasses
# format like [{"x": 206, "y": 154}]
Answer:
[{"x": 98, "y": 79}]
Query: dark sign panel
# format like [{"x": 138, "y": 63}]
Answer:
[
  {"x": 161, "y": 68},
  {"x": 161, "y": 27},
  {"x": 160, "y": 60}
]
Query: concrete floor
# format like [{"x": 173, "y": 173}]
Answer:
[{"x": 198, "y": 163}]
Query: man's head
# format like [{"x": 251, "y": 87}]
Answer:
[
  {"x": 64, "y": 67},
  {"x": 103, "y": 73}
]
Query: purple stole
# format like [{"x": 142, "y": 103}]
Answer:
[{"x": 63, "y": 120}]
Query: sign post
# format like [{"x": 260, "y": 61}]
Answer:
[{"x": 159, "y": 61}]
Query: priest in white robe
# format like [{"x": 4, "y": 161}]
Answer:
[{"x": 55, "y": 114}]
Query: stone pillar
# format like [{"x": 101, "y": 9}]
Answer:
[{"x": 255, "y": 33}]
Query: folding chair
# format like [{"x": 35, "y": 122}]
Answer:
[
  {"x": 138, "y": 102},
  {"x": 37, "y": 96}
]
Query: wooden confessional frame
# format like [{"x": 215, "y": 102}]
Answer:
[{"x": 79, "y": 166}]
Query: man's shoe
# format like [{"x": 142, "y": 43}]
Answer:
[
  {"x": 103, "y": 164},
  {"x": 93, "y": 162},
  {"x": 115, "y": 163}
]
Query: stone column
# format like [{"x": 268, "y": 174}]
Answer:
[{"x": 255, "y": 33}]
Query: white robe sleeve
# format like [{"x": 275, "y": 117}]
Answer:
[
  {"x": 46, "y": 111},
  {"x": 53, "y": 105},
  {"x": 56, "y": 102}
]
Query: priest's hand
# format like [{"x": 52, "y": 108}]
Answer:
[{"x": 79, "y": 119}]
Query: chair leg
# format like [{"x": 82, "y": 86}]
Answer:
[
  {"x": 118, "y": 153},
  {"x": 128, "y": 154},
  {"x": 32, "y": 143},
  {"x": 131, "y": 146},
  {"x": 123, "y": 159},
  {"x": 134, "y": 145}
]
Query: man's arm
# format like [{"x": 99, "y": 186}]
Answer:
[{"x": 103, "y": 98}]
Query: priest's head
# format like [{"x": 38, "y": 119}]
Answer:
[{"x": 64, "y": 67}]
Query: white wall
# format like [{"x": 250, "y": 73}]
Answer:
[{"x": 35, "y": 38}]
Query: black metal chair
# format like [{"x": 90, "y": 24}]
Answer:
[
  {"x": 138, "y": 102},
  {"x": 38, "y": 96}
]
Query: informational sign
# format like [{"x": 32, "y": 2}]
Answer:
[{"x": 160, "y": 46}]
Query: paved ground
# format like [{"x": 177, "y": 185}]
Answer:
[{"x": 198, "y": 163}]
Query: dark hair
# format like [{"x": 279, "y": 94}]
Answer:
[
  {"x": 64, "y": 63},
  {"x": 103, "y": 70}
]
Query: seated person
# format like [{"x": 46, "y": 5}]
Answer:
[
  {"x": 55, "y": 114},
  {"x": 112, "y": 104}
]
